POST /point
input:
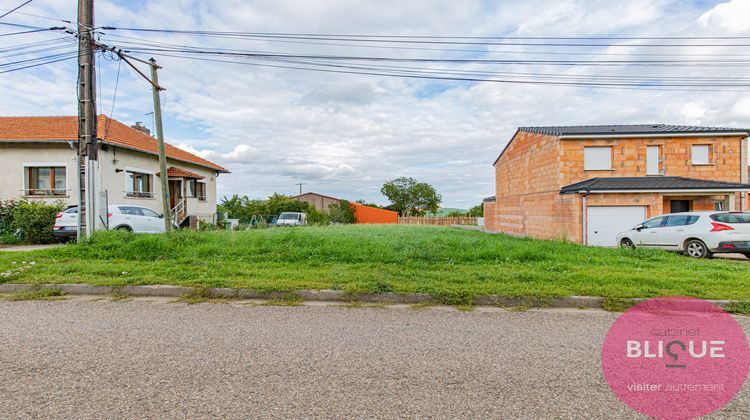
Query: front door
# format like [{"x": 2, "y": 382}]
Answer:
[
  {"x": 175, "y": 192},
  {"x": 679, "y": 206}
]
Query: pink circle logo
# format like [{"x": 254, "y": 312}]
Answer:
[{"x": 675, "y": 358}]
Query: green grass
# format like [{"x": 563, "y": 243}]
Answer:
[
  {"x": 450, "y": 264},
  {"x": 37, "y": 294}
]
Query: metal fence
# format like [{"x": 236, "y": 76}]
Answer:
[{"x": 438, "y": 221}]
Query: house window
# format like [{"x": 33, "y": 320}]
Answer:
[
  {"x": 701, "y": 154},
  {"x": 138, "y": 184},
  {"x": 597, "y": 158},
  {"x": 45, "y": 180},
  {"x": 190, "y": 187},
  {"x": 200, "y": 190},
  {"x": 653, "y": 159},
  {"x": 718, "y": 205}
]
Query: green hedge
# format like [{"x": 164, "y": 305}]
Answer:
[{"x": 27, "y": 221}]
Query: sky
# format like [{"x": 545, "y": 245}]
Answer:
[{"x": 344, "y": 135}]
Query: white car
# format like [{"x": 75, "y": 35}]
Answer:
[
  {"x": 697, "y": 234},
  {"x": 289, "y": 218},
  {"x": 136, "y": 219}
]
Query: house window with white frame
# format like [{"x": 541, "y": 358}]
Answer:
[
  {"x": 45, "y": 180},
  {"x": 700, "y": 154},
  {"x": 138, "y": 184},
  {"x": 597, "y": 158}
]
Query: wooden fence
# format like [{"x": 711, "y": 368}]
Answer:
[{"x": 438, "y": 221}]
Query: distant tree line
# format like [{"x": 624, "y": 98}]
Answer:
[{"x": 247, "y": 210}]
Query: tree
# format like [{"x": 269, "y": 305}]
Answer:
[
  {"x": 341, "y": 212},
  {"x": 408, "y": 196},
  {"x": 476, "y": 211}
]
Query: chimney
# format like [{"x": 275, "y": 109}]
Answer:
[{"x": 140, "y": 127}]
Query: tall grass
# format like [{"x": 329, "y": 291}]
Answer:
[{"x": 452, "y": 264}]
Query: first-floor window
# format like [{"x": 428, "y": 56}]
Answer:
[
  {"x": 701, "y": 154},
  {"x": 200, "y": 190},
  {"x": 138, "y": 184},
  {"x": 46, "y": 180},
  {"x": 190, "y": 187},
  {"x": 597, "y": 158}
]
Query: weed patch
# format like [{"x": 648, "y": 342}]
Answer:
[{"x": 37, "y": 294}]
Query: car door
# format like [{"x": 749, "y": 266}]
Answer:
[
  {"x": 675, "y": 229},
  {"x": 133, "y": 217},
  {"x": 152, "y": 220},
  {"x": 649, "y": 234}
]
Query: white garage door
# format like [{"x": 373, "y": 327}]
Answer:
[{"x": 604, "y": 223}]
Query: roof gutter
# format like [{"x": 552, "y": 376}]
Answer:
[
  {"x": 653, "y": 135},
  {"x": 673, "y": 191}
]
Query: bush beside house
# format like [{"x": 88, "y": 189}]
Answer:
[{"x": 27, "y": 222}]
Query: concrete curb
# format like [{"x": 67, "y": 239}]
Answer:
[{"x": 590, "y": 302}]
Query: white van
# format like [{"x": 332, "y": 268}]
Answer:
[{"x": 289, "y": 218}]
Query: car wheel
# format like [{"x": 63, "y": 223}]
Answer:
[
  {"x": 125, "y": 228},
  {"x": 627, "y": 243},
  {"x": 697, "y": 249}
]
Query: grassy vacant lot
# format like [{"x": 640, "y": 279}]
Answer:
[{"x": 452, "y": 264}]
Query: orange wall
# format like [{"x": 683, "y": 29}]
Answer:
[{"x": 370, "y": 215}]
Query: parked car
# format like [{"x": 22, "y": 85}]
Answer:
[
  {"x": 136, "y": 219},
  {"x": 289, "y": 218},
  {"x": 697, "y": 234}
]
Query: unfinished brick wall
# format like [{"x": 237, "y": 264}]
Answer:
[
  {"x": 629, "y": 158},
  {"x": 527, "y": 187},
  {"x": 489, "y": 216}
]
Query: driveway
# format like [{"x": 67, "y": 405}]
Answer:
[{"x": 73, "y": 359}]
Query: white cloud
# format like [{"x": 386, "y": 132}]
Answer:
[
  {"x": 729, "y": 17},
  {"x": 344, "y": 135}
]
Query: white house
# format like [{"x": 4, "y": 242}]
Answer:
[{"x": 38, "y": 156}]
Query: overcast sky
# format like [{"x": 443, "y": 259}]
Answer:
[{"x": 344, "y": 135}]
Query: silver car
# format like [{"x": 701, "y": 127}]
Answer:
[{"x": 697, "y": 234}]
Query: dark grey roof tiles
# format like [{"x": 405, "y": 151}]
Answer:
[
  {"x": 649, "y": 183},
  {"x": 628, "y": 129}
]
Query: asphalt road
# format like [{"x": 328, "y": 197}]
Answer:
[{"x": 76, "y": 359}]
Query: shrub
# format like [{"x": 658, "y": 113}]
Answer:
[
  {"x": 315, "y": 217},
  {"x": 35, "y": 220},
  {"x": 341, "y": 212}
]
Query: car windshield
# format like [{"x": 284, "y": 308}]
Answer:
[
  {"x": 731, "y": 217},
  {"x": 288, "y": 216}
]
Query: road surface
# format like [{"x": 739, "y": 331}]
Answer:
[{"x": 84, "y": 359}]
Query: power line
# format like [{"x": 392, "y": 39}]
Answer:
[
  {"x": 142, "y": 42},
  {"x": 39, "y": 64},
  {"x": 473, "y": 79},
  {"x": 14, "y": 9},
  {"x": 451, "y": 40}
]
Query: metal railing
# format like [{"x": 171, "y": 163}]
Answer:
[{"x": 177, "y": 212}]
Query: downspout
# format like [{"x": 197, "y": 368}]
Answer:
[
  {"x": 743, "y": 170},
  {"x": 584, "y": 220}
]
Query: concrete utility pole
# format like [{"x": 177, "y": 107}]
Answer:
[
  {"x": 155, "y": 88},
  {"x": 87, "y": 164},
  {"x": 300, "y": 187}
]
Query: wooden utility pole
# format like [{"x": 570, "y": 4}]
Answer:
[
  {"x": 300, "y": 187},
  {"x": 155, "y": 88},
  {"x": 87, "y": 141}
]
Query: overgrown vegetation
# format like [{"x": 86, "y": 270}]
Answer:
[
  {"x": 452, "y": 265},
  {"x": 27, "y": 221},
  {"x": 341, "y": 212},
  {"x": 258, "y": 213},
  {"x": 37, "y": 294}
]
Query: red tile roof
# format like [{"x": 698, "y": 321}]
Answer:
[
  {"x": 110, "y": 131},
  {"x": 180, "y": 173}
]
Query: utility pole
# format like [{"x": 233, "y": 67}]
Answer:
[
  {"x": 87, "y": 164},
  {"x": 300, "y": 187},
  {"x": 155, "y": 88}
]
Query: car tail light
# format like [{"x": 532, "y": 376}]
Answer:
[
  {"x": 56, "y": 227},
  {"x": 58, "y": 215},
  {"x": 109, "y": 215},
  {"x": 720, "y": 227}
]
